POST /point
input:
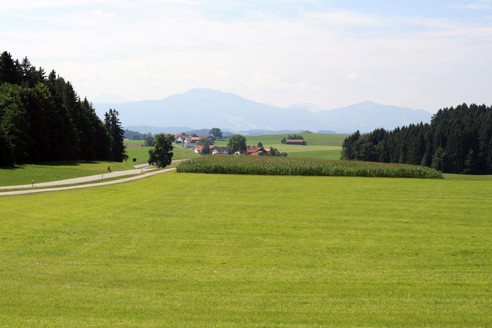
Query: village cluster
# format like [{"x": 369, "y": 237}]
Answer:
[{"x": 189, "y": 141}]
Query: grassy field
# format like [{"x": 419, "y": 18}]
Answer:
[
  {"x": 321, "y": 146},
  {"x": 136, "y": 142},
  {"x": 24, "y": 174},
  {"x": 193, "y": 250},
  {"x": 140, "y": 153},
  {"x": 184, "y": 153}
]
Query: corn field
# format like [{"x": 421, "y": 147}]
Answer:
[{"x": 267, "y": 165}]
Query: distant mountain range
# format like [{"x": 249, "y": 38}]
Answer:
[{"x": 205, "y": 108}]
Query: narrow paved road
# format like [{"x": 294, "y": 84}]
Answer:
[
  {"x": 86, "y": 179},
  {"x": 138, "y": 169}
]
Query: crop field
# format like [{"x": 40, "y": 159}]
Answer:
[
  {"x": 196, "y": 250},
  {"x": 321, "y": 146},
  {"x": 268, "y": 165}
]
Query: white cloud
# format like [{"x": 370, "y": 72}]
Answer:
[
  {"x": 8, "y": 5},
  {"x": 475, "y": 5},
  {"x": 352, "y": 76},
  {"x": 345, "y": 18},
  {"x": 103, "y": 14},
  {"x": 330, "y": 58}
]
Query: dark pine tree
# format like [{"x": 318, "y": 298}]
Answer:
[
  {"x": 9, "y": 69},
  {"x": 113, "y": 125}
]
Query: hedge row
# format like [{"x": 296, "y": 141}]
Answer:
[{"x": 268, "y": 165}]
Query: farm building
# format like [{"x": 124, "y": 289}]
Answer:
[
  {"x": 295, "y": 142},
  {"x": 220, "y": 150},
  {"x": 198, "y": 149},
  {"x": 256, "y": 151}
]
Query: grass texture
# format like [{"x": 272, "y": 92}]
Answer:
[
  {"x": 194, "y": 250},
  {"x": 267, "y": 165}
]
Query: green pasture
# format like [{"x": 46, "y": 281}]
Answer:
[
  {"x": 195, "y": 250},
  {"x": 467, "y": 177},
  {"x": 312, "y": 139},
  {"x": 321, "y": 146},
  {"x": 140, "y": 153},
  {"x": 136, "y": 142},
  {"x": 333, "y": 154},
  {"x": 184, "y": 153},
  {"x": 24, "y": 174}
]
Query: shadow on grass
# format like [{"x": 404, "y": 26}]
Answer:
[
  {"x": 12, "y": 168},
  {"x": 58, "y": 163}
]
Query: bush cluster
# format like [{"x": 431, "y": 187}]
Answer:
[{"x": 267, "y": 165}]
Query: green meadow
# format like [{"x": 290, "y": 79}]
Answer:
[
  {"x": 196, "y": 250},
  {"x": 135, "y": 142},
  {"x": 24, "y": 174},
  {"x": 184, "y": 153},
  {"x": 44, "y": 172},
  {"x": 142, "y": 153},
  {"x": 320, "y": 146}
]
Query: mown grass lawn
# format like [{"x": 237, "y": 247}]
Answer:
[{"x": 194, "y": 250}]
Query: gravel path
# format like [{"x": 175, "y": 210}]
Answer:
[
  {"x": 149, "y": 172},
  {"x": 138, "y": 169}
]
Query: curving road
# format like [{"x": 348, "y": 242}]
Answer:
[{"x": 46, "y": 185}]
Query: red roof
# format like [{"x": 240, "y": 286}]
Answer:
[
  {"x": 199, "y": 148},
  {"x": 255, "y": 151}
]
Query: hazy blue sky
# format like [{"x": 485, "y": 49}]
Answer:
[{"x": 422, "y": 54}]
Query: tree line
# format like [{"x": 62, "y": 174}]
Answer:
[
  {"x": 292, "y": 137},
  {"x": 43, "y": 119},
  {"x": 458, "y": 140}
]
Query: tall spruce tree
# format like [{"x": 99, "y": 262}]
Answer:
[
  {"x": 113, "y": 125},
  {"x": 9, "y": 69}
]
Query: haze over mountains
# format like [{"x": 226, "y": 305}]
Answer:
[{"x": 205, "y": 108}]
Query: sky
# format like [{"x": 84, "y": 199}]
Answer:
[{"x": 422, "y": 54}]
